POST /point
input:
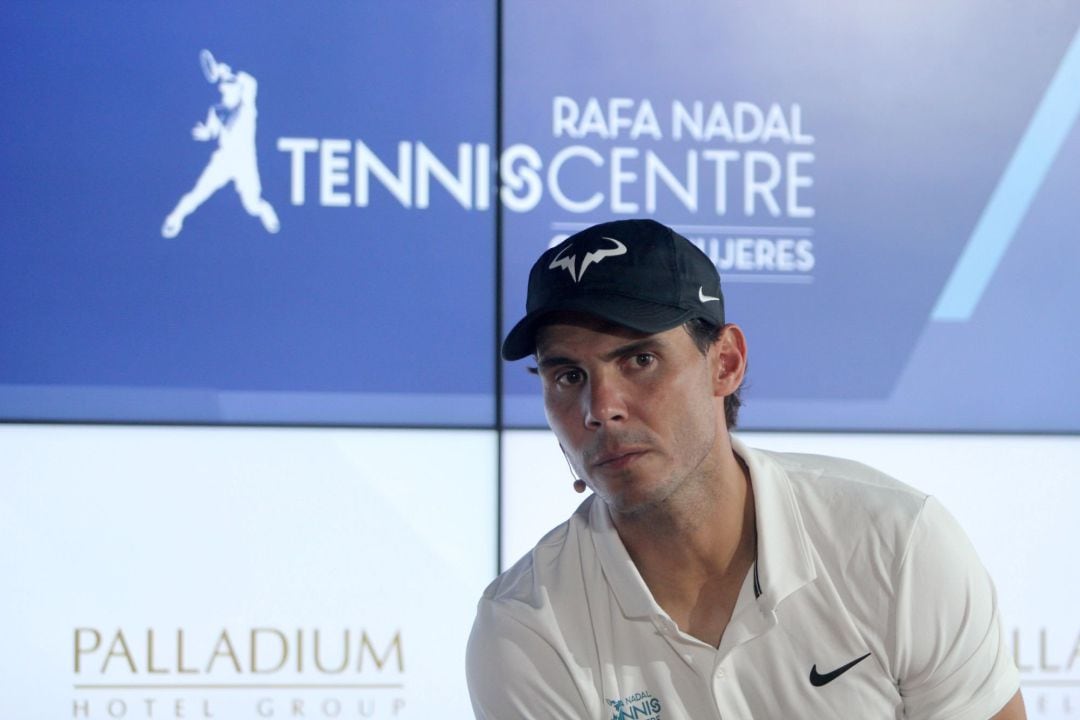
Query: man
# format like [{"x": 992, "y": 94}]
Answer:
[{"x": 702, "y": 578}]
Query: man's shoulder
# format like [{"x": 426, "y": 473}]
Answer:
[
  {"x": 855, "y": 517},
  {"x": 838, "y": 488},
  {"x": 552, "y": 563},
  {"x": 530, "y": 652}
]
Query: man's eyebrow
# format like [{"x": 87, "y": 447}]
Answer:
[
  {"x": 643, "y": 345},
  {"x": 553, "y": 361},
  {"x": 631, "y": 348}
]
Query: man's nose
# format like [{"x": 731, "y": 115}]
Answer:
[{"x": 606, "y": 402}]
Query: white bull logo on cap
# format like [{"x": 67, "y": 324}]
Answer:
[{"x": 566, "y": 262}]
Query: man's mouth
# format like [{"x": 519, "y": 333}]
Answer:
[{"x": 615, "y": 459}]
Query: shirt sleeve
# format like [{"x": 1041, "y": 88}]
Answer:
[
  {"x": 951, "y": 654},
  {"x": 513, "y": 672}
]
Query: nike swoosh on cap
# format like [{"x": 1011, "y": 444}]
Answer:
[
  {"x": 705, "y": 298},
  {"x": 817, "y": 680}
]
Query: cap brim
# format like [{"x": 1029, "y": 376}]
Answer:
[{"x": 640, "y": 315}]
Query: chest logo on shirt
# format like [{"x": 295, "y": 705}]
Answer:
[
  {"x": 639, "y": 705},
  {"x": 817, "y": 680}
]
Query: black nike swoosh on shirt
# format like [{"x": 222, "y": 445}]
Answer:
[{"x": 817, "y": 680}]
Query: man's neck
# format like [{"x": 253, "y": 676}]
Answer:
[{"x": 694, "y": 551}]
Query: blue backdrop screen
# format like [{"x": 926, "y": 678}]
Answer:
[
  {"x": 248, "y": 212},
  {"x": 889, "y": 194},
  {"x": 260, "y": 213}
]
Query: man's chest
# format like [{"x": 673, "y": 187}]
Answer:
[{"x": 807, "y": 660}]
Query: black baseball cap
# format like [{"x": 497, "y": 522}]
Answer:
[{"x": 635, "y": 273}]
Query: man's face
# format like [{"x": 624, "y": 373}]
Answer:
[{"x": 636, "y": 414}]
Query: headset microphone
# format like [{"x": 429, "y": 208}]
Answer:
[{"x": 579, "y": 484}]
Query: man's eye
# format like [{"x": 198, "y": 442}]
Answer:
[
  {"x": 644, "y": 359},
  {"x": 569, "y": 377}
]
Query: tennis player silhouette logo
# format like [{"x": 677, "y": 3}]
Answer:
[{"x": 232, "y": 123}]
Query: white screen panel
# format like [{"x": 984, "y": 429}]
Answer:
[{"x": 241, "y": 573}]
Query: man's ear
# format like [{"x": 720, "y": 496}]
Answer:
[{"x": 728, "y": 357}]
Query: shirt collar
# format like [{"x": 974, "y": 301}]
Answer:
[
  {"x": 784, "y": 561},
  {"x": 626, "y": 582}
]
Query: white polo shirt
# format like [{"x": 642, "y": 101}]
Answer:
[{"x": 866, "y": 600}]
